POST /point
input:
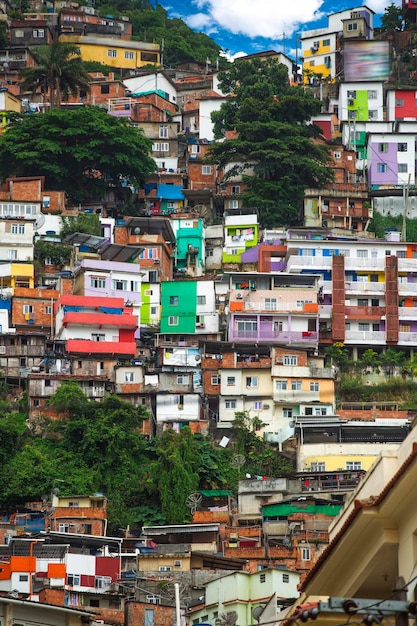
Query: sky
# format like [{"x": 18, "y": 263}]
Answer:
[{"x": 249, "y": 26}]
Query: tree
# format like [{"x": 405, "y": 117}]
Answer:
[
  {"x": 59, "y": 72},
  {"x": 392, "y": 19},
  {"x": 88, "y": 223},
  {"x": 275, "y": 151},
  {"x": 83, "y": 151},
  {"x": 176, "y": 472}
]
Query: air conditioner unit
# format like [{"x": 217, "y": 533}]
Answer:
[
  {"x": 266, "y": 406},
  {"x": 239, "y": 296}
]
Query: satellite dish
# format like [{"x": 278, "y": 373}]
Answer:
[
  {"x": 136, "y": 230},
  {"x": 193, "y": 501},
  {"x": 197, "y": 358},
  {"x": 40, "y": 221},
  {"x": 257, "y": 612},
  {"x": 238, "y": 461}
]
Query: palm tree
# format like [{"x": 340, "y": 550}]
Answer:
[{"x": 59, "y": 71}]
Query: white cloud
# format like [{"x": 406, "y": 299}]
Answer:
[
  {"x": 232, "y": 57},
  {"x": 260, "y": 18}
]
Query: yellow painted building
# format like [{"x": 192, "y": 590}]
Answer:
[{"x": 116, "y": 53}]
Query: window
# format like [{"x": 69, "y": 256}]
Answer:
[
  {"x": 326, "y": 42},
  {"x": 262, "y": 578},
  {"x": 23, "y": 578},
  {"x": 173, "y": 320},
  {"x": 129, "y": 55},
  {"x": 112, "y": 53},
  {"x": 314, "y": 386},
  {"x": 312, "y": 63},
  {"x": 149, "y": 617},
  {"x": 230, "y": 404},
  {"x": 270, "y": 304},
  {"x": 206, "y": 169},
  {"x": 399, "y": 102},
  {"x": 372, "y": 94},
  {"x": 154, "y": 310},
  {"x": 236, "y": 189},
  {"x": 101, "y": 582},
  {"x": 210, "y": 252},
  {"x": 173, "y": 300},
  {"x": 362, "y": 254},
  {"x": 296, "y": 385},
  {"x": 48, "y": 309},
  {"x": 163, "y": 132},
  {"x": 318, "y": 467},
  {"x": 195, "y": 149},
  {"x": 12, "y": 255},
  {"x": 305, "y": 554},
  {"x": 161, "y": 146},
  {"x": 285, "y": 578},
  {"x": 153, "y": 599},
  {"x": 351, "y": 115},
  {"x": 402, "y": 168},
  {"x": 373, "y": 114},
  {"x": 251, "y": 381},
  {"x": 215, "y": 380},
  {"x": 97, "y": 282},
  {"x": 36, "y": 402},
  {"x": 98, "y": 336},
  {"x": 257, "y": 406},
  {"x": 363, "y": 326},
  {"x": 352, "y": 26},
  {"x": 363, "y": 301},
  {"x": 231, "y": 380},
  {"x": 402, "y": 147},
  {"x": 290, "y": 359},
  {"x": 183, "y": 379},
  {"x": 375, "y": 302},
  {"x": 18, "y": 229},
  {"x": 201, "y": 299},
  {"x": 129, "y": 377},
  {"x": 27, "y": 308},
  {"x": 63, "y": 528},
  {"x": 287, "y": 412},
  {"x": 351, "y": 94},
  {"x": 353, "y": 465},
  {"x": 38, "y": 33},
  {"x": 383, "y": 147},
  {"x": 104, "y": 89},
  {"x": 73, "y": 579},
  {"x": 281, "y": 385},
  {"x": 337, "y": 155},
  {"x": 119, "y": 285}
]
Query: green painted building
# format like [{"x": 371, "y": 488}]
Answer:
[{"x": 178, "y": 307}]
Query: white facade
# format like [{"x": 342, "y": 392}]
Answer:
[
  {"x": 206, "y": 309},
  {"x": 207, "y": 106},
  {"x": 151, "y": 82},
  {"x": 177, "y": 407},
  {"x": 371, "y": 91},
  {"x": 16, "y": 240}
]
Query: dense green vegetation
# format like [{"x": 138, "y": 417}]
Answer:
[
  {"x": 98, "y": 447},
  {"x": 381, "y": 223},
  {"x": 151, "y": 23},
  {"x": 375, "y": 376},
  {"x": 273, "y": 149},
  {"x": 81, "y": 151}
]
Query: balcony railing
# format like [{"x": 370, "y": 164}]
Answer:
[
  {"x": 407, "y": 338},
  {"x": 405, "y": 288},
  {"x": 374, "y": 336},
  {"x": 365, "y": 311},
  {"x": 353, "y": 286},
  {"x": 305, "y": 337}
]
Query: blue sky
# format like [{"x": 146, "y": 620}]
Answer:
[{"x": 249, "y": 26}]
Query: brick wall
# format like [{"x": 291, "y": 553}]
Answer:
[
  {"x": 135, "y": 614},
  {"x": 52, "y": 596}
]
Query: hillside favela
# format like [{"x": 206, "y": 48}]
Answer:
[{"x": 208, "y": 320}]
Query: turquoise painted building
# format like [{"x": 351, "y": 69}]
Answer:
[{"x": 190, "y": 250}]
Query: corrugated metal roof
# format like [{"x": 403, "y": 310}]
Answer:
[{"x": 212, "y": 493}]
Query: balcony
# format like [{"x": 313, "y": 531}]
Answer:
[
  {"x": 407, "y": 288},
  {"x": 408, "y": 312},
  {"x": 407, "y": 338},
  {"x": 368, "y": 264},
  {"x": 366, "y": 336},
  {"x": 325, "y": 311},
  {"x": 296, "y": 262},
  {"x": 354, "y": 286},
  {"x": 305, "y": 338},
  {"x": 365, "y": 312},
  {"x": 296, "y": 397}
]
